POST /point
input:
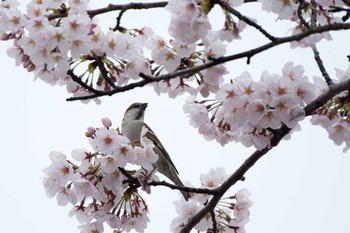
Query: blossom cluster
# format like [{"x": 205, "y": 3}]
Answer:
[
  {"x": 231, "y": 214},
  {"x": 248, "y": 111},
  {"x": 97, "y": 184},
  {"x": 335, "y": 115},
  {"x": 287, "y": 9}
]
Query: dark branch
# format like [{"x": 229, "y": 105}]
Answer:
[
  {"x": 119, "y": 19},
  {"x": 134, "y": 182},
  {"x": 301, "y": 6},
  {"x": 333, "y": 90},
  {"x": 321, "y": 67},
  {"x": 83, "y": 84},
  {"x": 104, "y": 72},
  {"x": 212, "y": 213},
  {"x": 184, "y": 188},
  {"x": 115, "y": 7},
  {"x": 247, "y": 54},
  {"x": 129, "y": 6}
]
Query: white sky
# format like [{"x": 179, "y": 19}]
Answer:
[{"x": 300, "y": 186}]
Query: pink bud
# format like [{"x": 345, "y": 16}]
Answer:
[
  {"x": 90, "y": 132},
  {"x": 106, "y": 122}
]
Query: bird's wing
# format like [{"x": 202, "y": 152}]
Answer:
[{"x": 152, "y": 136}]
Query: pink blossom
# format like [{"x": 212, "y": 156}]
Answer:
[
  {"x": 137, "y": 223},
  {"x": 107, "y": 141},
  {"x": 11, "y": 19},
  {"x": 183, "y": 50},
  {"x": 36, "y": 11},
  {"x": 284, "y": 8},
  {"x": 339, "y": 131},
  {"x": 230, "y": 94},
  {"x": 78, "y": 25},
  {"x": 83, "y": 187},
  {"x": 83, "y": 214},
  {"x": 213, "y": 178},
  {"x": 146, "y": 157},
  {"x": 186, "y": 10},
  {"x": 125, "y": 154},
  {"x": 135, "y": 67},
  {"x": 188, "y": 32},
  {"x": 109, "y": 163},
  {"x": 327, "y": 3},
  {"x": 96, "y": 227},
  {"x": 84, "y": 157},
  {"x": 66, "y": 196},
  {"x": 256, "y": 110},
  {"x": 59, "y": 169},
  {"x": 167, "y": 57}
]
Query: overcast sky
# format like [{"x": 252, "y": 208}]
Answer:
[{"x": 300, "y": 186}]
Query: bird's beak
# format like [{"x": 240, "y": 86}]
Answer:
[{"x": 144, "y": 106}]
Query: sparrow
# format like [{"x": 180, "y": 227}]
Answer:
[{"x": 132, "y": 125}]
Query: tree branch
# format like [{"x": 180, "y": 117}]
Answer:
[
  {"x": 104, "y": 71},
  {"x": 184, "y": 188},
  {"x": 301, "y": 6},
  {"x": 248, "y": 54},
  {"x": 215, "y": 229},
  {"x": 82, "y": 84},
  {"x": 321, "y": 67},
  {"x": 333, "y": 90},
  {"x": 115, "y": 7},
  {"x": 129, "y": 6}
]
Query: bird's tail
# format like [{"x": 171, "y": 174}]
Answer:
[{"x": 175, "y": 178}]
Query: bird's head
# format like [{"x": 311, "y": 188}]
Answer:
[{"x": 136, "y": 111}]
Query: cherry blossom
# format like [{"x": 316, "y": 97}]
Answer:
[
  {"x": 284, "y": 8},
  {"x": 245, "y": 110}
]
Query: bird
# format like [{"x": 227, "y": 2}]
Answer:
[{"x": 132, "y": 125}]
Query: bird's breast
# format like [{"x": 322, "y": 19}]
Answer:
[{"x": 132, "y": 130}]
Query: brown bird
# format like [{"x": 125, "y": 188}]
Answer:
[{"x": 132, "y": 125}]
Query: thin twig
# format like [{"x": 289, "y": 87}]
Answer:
[
  {"x": 245, "y": 19},
  {"x": 129, "y": 6},
  {"x": 103, "y": 71},
  {"x": 119, "y": 19},
  {"x": 114, "y": 7},
  {"x": 321, "y": 67},
  {"x": 213, "y": 219},
  {"x": 314, "y": 13},
  {"x": 184, "y": 188},
  {"x": 83, "y": 84},
  {"x": 301, "y": 6}
]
